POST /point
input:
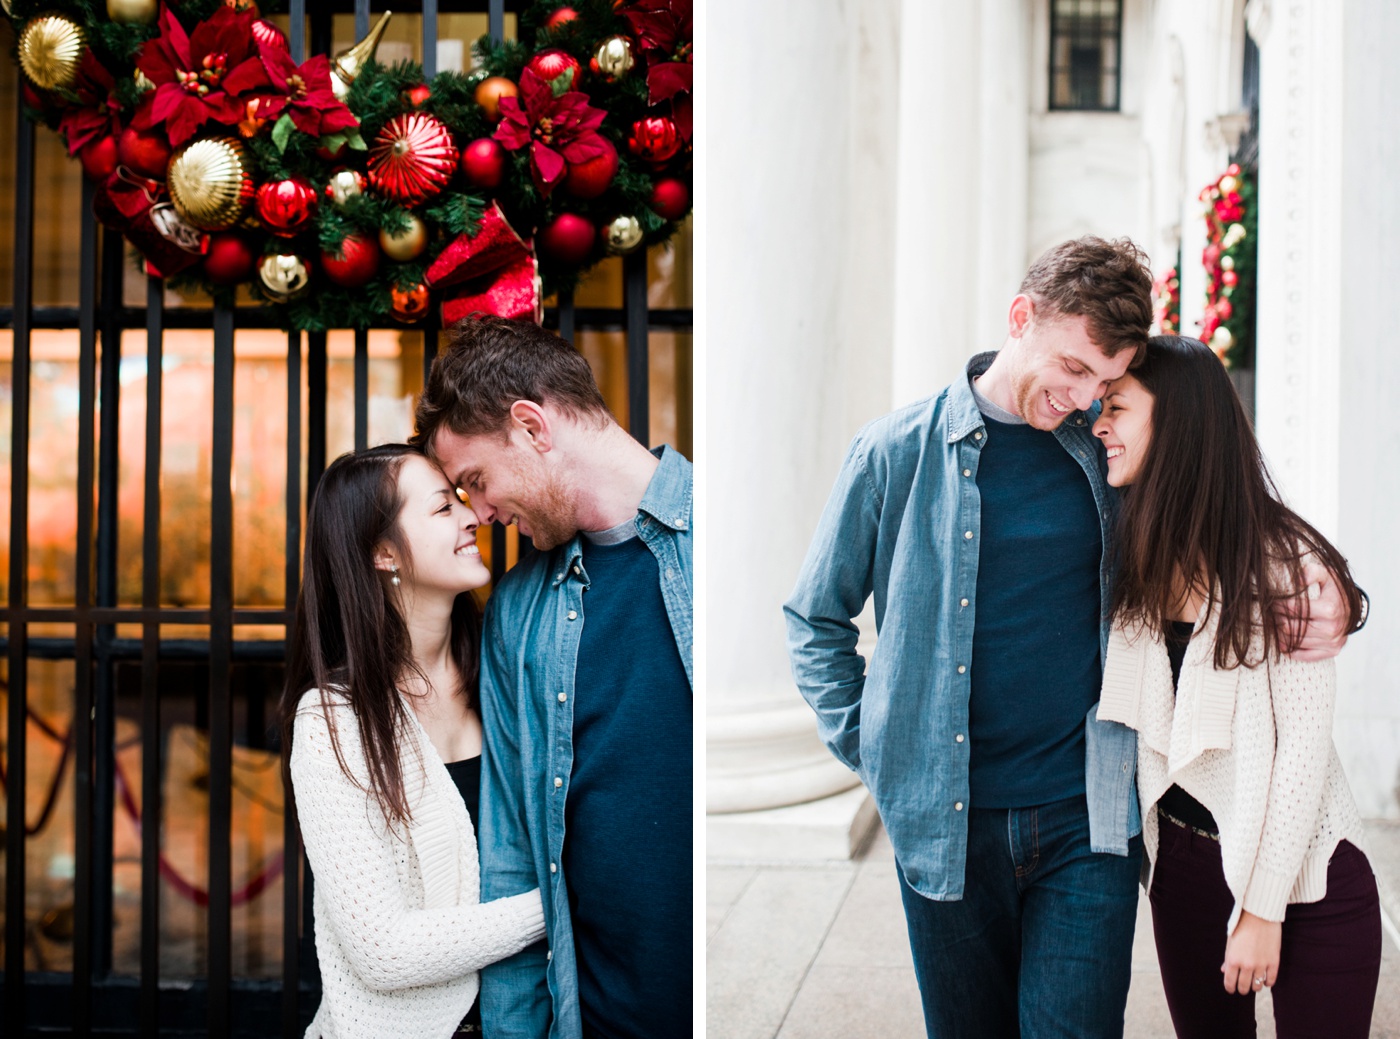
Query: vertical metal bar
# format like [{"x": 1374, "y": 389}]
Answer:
[
  {"x": 361, "y": 389},
  {"x": 430, "y": 34},
  {"x": 291, "y": 836},
  {"x": 496, "y": 20},
  {"x": 83, "y": 707},
  {"x": 315, "y": 410},
  {"x": 296, "y": 30},
  {"x": 498, "y": 553},
  {"x": 220, "y": 667},
  {"x": 634, "y": 304},
  {"x": 17, "y": 757},
  {"x": 432, "y": 325},
  {"x": 361, "y": 19},
  {"x": 150, "y": 667},
  {"x": 105, "y": 722},
  {"x": 566, "y": 315}
]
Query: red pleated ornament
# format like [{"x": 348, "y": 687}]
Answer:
[
  {"x": 412, "y": 158},
  {"x": 268, "y": 35},
  {"x": 286, "y": 206},
  {"x": 655, "y": 138}
]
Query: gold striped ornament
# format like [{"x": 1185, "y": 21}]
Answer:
[
  {"x": 50, "y": 49},
  {"x": 210, "y": 182}
]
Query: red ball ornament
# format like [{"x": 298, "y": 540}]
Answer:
[
  {"x": 286, "y": 206},
  {"x": 489, "y": 93},
  {"x": 408, "y": 305},
  {"x": 484, "y": 163},
  {"x": 357, "y": 263},
  {"x": 590, "y": 178},
  {"x": 412, "y": 158},
  {"x": 669, "y": 199},
  {"x": 417, "y": 95},
  {"x": 230, "y": 259},
  {"x": 268, "y": 35},
  {"x": 654, "y": 139},
  {"x": 144, "y": 152},
  {"x": 567, "y": 238},
  {"x": 560, "y": 17},
  {"x": 99, "y": 157},
  {"x": 550, "y": 64}
]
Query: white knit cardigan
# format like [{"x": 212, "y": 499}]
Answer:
[
  {"x": 400, "y": 931},
  {"x": 1254, "y": 745}
]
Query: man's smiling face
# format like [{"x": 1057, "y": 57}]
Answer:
[{"x": 1058, "y": 369}]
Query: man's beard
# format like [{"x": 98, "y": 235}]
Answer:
[{"x": 549, "y": 513}]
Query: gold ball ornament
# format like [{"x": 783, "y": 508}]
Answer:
[
  {"x": 133, "y": 12},
  {"x": 50, "y": 49},
  {"x": 143, "y": 82},
  {"x": 283, "y": 277},
  {"x": 613, "y": 58},
  {"x": 622, "y": 235},
  {"x": 210, "y": 182},
  {"x": 407, "y": 244},
  {"x": 344, "y": 185},
  {"x": 409, "y": 305}
]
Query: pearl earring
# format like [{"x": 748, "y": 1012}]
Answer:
[{"x": 394, "y": 569}]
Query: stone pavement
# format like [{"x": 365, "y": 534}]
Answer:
[{"x": 819, "y": 951}]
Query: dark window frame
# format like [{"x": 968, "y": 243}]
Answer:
[{"x": 1078, "y": 25}]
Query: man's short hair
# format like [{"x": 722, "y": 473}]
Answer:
[
  {"x": 1107, "y": 282},
  {"x": 489, "y": 365}
]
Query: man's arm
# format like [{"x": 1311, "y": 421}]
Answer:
[
  {"x": 835, "y": 581},
  {"x": 515, "y": 1001},
  {"x": 1327, "y": 613}
]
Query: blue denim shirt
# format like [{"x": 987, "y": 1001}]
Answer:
[
  {"x": 527, "y": 709},
  {"x": 903, "y": 524}
]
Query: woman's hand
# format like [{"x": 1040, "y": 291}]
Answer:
[{"x": 1251, "y": 954}]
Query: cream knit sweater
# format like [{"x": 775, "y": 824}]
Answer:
[
  {"x": 1254, "y": 745},
  {"x": 400, "y": 930}
]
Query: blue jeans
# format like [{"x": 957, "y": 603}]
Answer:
[{"x": 1041, "y": 943}]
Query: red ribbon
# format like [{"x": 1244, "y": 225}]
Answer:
[
  {"x": 126, "y": 204},
  {"x": 492, "y": 273}
]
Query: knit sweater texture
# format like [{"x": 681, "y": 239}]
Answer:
[
  {"x": 1254, "y": 745},
  {"x": 400, "y": 929}
]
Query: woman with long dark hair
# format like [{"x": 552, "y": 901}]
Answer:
[
  {"x": 1256, "y": 877},
  {"x": 382, "y": 745}
]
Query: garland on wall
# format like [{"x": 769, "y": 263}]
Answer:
[
  {"x": 1230, "y": 260},
  {"x": 347, "y": 192},
  {"x": 1166, "y": 303}
]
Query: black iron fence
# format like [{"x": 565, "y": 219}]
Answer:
[{"x": 142, "y": 665}]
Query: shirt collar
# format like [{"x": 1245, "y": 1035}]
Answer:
[{"x": 964, "y": 417}]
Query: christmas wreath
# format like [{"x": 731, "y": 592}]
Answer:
[
  {"x": 346, "y": 191},
  {"x": 1232, "y": 222},
  {"x": 1166, "y": 303}
]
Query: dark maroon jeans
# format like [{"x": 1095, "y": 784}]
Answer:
[{"x": 1328, "y": 968}]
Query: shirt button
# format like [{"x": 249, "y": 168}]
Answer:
[
  {"x": 576, "y": 570},
  {"x": 961, "y": 669},
  {"x": 558, "y": 782},
  {"x": 563, "y": 697},
  {"x": 976, "y": 436},
  {"x": 967, "y": 534},
  {"x": 957, "y": 806},
  {"x": 962, "y": 602},
  {"x": 680, "y": 524},
  {"x": 959, "y": 737},
  {"x": 573, "y": 615},
  {"x": 559, "y": 576},
  {"x": 967, "y": 472},
  {"x": 553, "y": 868}
]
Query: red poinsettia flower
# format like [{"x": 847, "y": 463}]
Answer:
[
  {"x": 97, "y": 111},
  {"x": 561, "y": 131},
  {"x": 304, "y": 93},
  {"x": 664, "y": 33},
  {"x": 201, "y": 76}
]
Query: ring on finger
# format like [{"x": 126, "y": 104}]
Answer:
[{"x": 1258, "y": 982}]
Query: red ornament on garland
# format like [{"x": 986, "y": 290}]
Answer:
[
  {"x": 669, "y": 199},
  {"x": 286, "y": 206},
  {"x": 483, "y": 163},
  {"x": 357, "y": 263},
  {"x": 268, "y": 35},
  {"x": 412, "y": 158},
  {"x": 230, "y": 259},
  {"x": 417, "y": 95},
  {"x": 99, "y": 157},
  {"x": 560, "y": 17},
  {"x": 408, "y": 305},
  {"x": 144, "y": 152},
  {"x": 550, "y": 64},
  {"x": 654, "y": 139},
  {"x": 567, "y": 238},
  {"x": 590, "y": 178}
]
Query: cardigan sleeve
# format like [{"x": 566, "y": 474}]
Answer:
[
  {"x": 351, "y": 850},
  {"x": 1303, "y": 695}
]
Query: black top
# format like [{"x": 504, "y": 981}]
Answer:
[
  {"x": 467, "y": 775},
  {"x": 1176, "y": 802}
]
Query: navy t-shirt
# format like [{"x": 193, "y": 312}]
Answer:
[
  {"x": 1035, "y": 648},
  {"x": 627, "y": 821}
]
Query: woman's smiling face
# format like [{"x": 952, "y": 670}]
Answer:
[{"x": 1125, "y": 427}]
